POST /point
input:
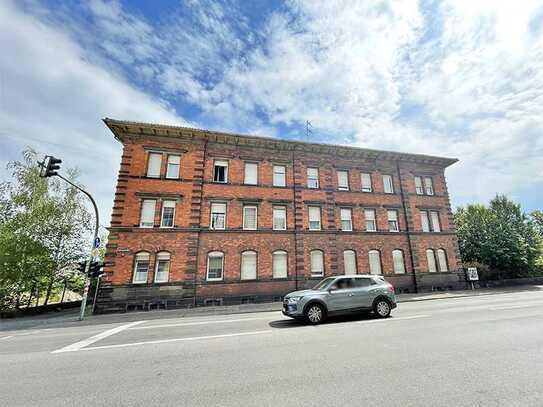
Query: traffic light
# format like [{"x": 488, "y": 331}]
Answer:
[
  {"x": 81, "y": 266},
  {"x": 96, "y": 269},
  {"x": 52, "y": 166}
]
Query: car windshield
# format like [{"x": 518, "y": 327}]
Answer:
[{"x": 324, "y": 283}]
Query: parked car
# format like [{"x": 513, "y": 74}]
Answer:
[{"x": 341, "y": 295}]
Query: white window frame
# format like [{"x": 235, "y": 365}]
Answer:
[
  {"x": 425, "y": 221},
  {"x": 388, "y": 184},
  {"x": 252, "y": 273},
  {"x": 162, "y": 256},
  {"x": 246, "y": 207},
  {"x": 343, "y": 180},
  {"x": 435, "y": 221},
  {"x": 278, "y": 209},
  {"x": 374, "y": 220},
  {"x": 428, "y": 186},
  {"x": 136, "y": 262},
  {"x": 349, "y": 218},
  {"x": 353, "y": 253},
  {"x": 170, "y": 164},
  {"x": 250, "y": 178},
  {"x": 419, "y": 188},
  {"x": 215, "y": 254},
  {"x": 394, "y": 221},
  {"x": 164, "y": 206},
  {"x": 431, "y": 261},
  {"x": 151, "y": 165},
  {"x": 442, "y": 260},
  {"x": 314, "y": 271},
  {"x": 309, "y": 208},
  {"x": 275, "y": 255},
  {"x": 364, "y": 186},
  {"x": 397, "y": 254},
  {"x": 221, "y": 163},
  {"x": 211, "y": 212},
  {"x": 377, "y": 253},
  {"x": 145, "y": 224},
  {"x": 282, "y": 173},
  {"x": 312, "y": 179}
]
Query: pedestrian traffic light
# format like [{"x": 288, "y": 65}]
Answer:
[
  {"x": 52, "y": 166},
  {"x": 96, "y": 269}
]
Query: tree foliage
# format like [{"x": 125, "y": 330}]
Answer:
[
  {"x": 500, "y": 236},
  {"x": 44, "y": 231}
]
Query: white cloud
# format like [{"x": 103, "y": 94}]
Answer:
[{"x": 53, "y": 99}]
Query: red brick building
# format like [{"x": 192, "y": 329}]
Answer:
[{"x": 203, "y": 217}]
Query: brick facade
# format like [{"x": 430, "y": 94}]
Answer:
[{"x": 191, "y": 239}]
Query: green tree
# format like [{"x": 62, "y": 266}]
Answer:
[{"x": 499, "y": 236}]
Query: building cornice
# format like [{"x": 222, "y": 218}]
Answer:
[{"x": 122, "y": 129}]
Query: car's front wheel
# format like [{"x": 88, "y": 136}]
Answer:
[
  {"x": 315, "y": 314},
  {"x": 382, "y": 308}
]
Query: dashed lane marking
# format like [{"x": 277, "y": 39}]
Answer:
[{"x": 392, "y": 319}]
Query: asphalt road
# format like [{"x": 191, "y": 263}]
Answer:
[{"x": 476, "y": 351}]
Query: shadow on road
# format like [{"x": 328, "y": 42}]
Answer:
[{"x": 294, "y": 323}]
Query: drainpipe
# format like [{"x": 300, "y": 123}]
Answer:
[{"x": 402, "y": 194}]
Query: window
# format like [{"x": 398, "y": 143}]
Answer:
[
  {"x": 312, "y": 177},
  {"x": 220, "y": 171},
  {"x": 317, "y": 263},
  {"x": 442, "y": 260},
  {"x": 418, "y": 186},
  {"x": 154, "y": 164},
  {"x": 349, "y": 262},
  {"x": 388, "y": 186},
  {"x": 249, "y": 217},
  {"x": 424, "y": 221},
  {"x": 343, "y": 180},
  {"x": 251, "y": 173},
  {"x": 147, "y": 213},
  {"x": 314, "y": 218},
  {"x": 371, "y": 225},
  {"x": 248, "y": 265},
  {"x": 172, "y": 171},
  {"x": 346, "y": 219},
  {"x": 279, "y": 264},
  {"x": 436, "y": 227},
  {"x": 429, "y": 186},
  {"x": 431, "y": 258},
  {"x": 215, "y": 265},
  {"x": 162, "y": 270},
  {"x": 397, "y": 259},
  {"x": 218, "y": 216},
  {"x": 393, "y": 221},
  {"x": 375, "y": 261},
  {"x": 279, "y": 218},
  {"x": 168, "y": 214},
  {"x": 279, "y": 176},
  {"x": 141, "y": 268},
  {"x": 366, "y": 182}
]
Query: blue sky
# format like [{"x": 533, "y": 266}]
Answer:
[{"x": 457, "y": 78}]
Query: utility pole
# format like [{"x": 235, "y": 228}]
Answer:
[{"x": 49, "y": 168}]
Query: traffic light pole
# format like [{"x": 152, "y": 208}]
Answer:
[{"x": 87, "y": 266}]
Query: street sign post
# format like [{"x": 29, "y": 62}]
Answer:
[{"x": 472, "y": 276}]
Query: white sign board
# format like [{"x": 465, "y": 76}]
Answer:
[{"x": 472, "y": 274}]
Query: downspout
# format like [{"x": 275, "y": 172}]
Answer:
[
  {"x": 199, "y": 225},
  {"x": 295, "y": 232},
  {"x": 409, "y": 242}
]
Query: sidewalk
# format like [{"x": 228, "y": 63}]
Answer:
[{"x": 69, "y": 318}]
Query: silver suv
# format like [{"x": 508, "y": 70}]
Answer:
[{"x": 341, "y": 295}]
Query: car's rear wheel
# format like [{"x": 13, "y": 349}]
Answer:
[
  {"x": 315, "y": 314},
  {"x": 382, "y": 308}
]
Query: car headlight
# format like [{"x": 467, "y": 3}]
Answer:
[{"x": 294, "y": 300}]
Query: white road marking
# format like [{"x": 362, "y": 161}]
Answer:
[
  {"x": 506, "y": 307},
  {"x": 192, "y": 338},
  {"x": 6, "y": 337},
  {"x": 85, "y": 342},
  {"x": 370, "y": 321},
  {"x": 218, "y": 321}
]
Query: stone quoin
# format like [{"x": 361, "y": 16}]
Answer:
[{"x": 205, "y": 218}]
